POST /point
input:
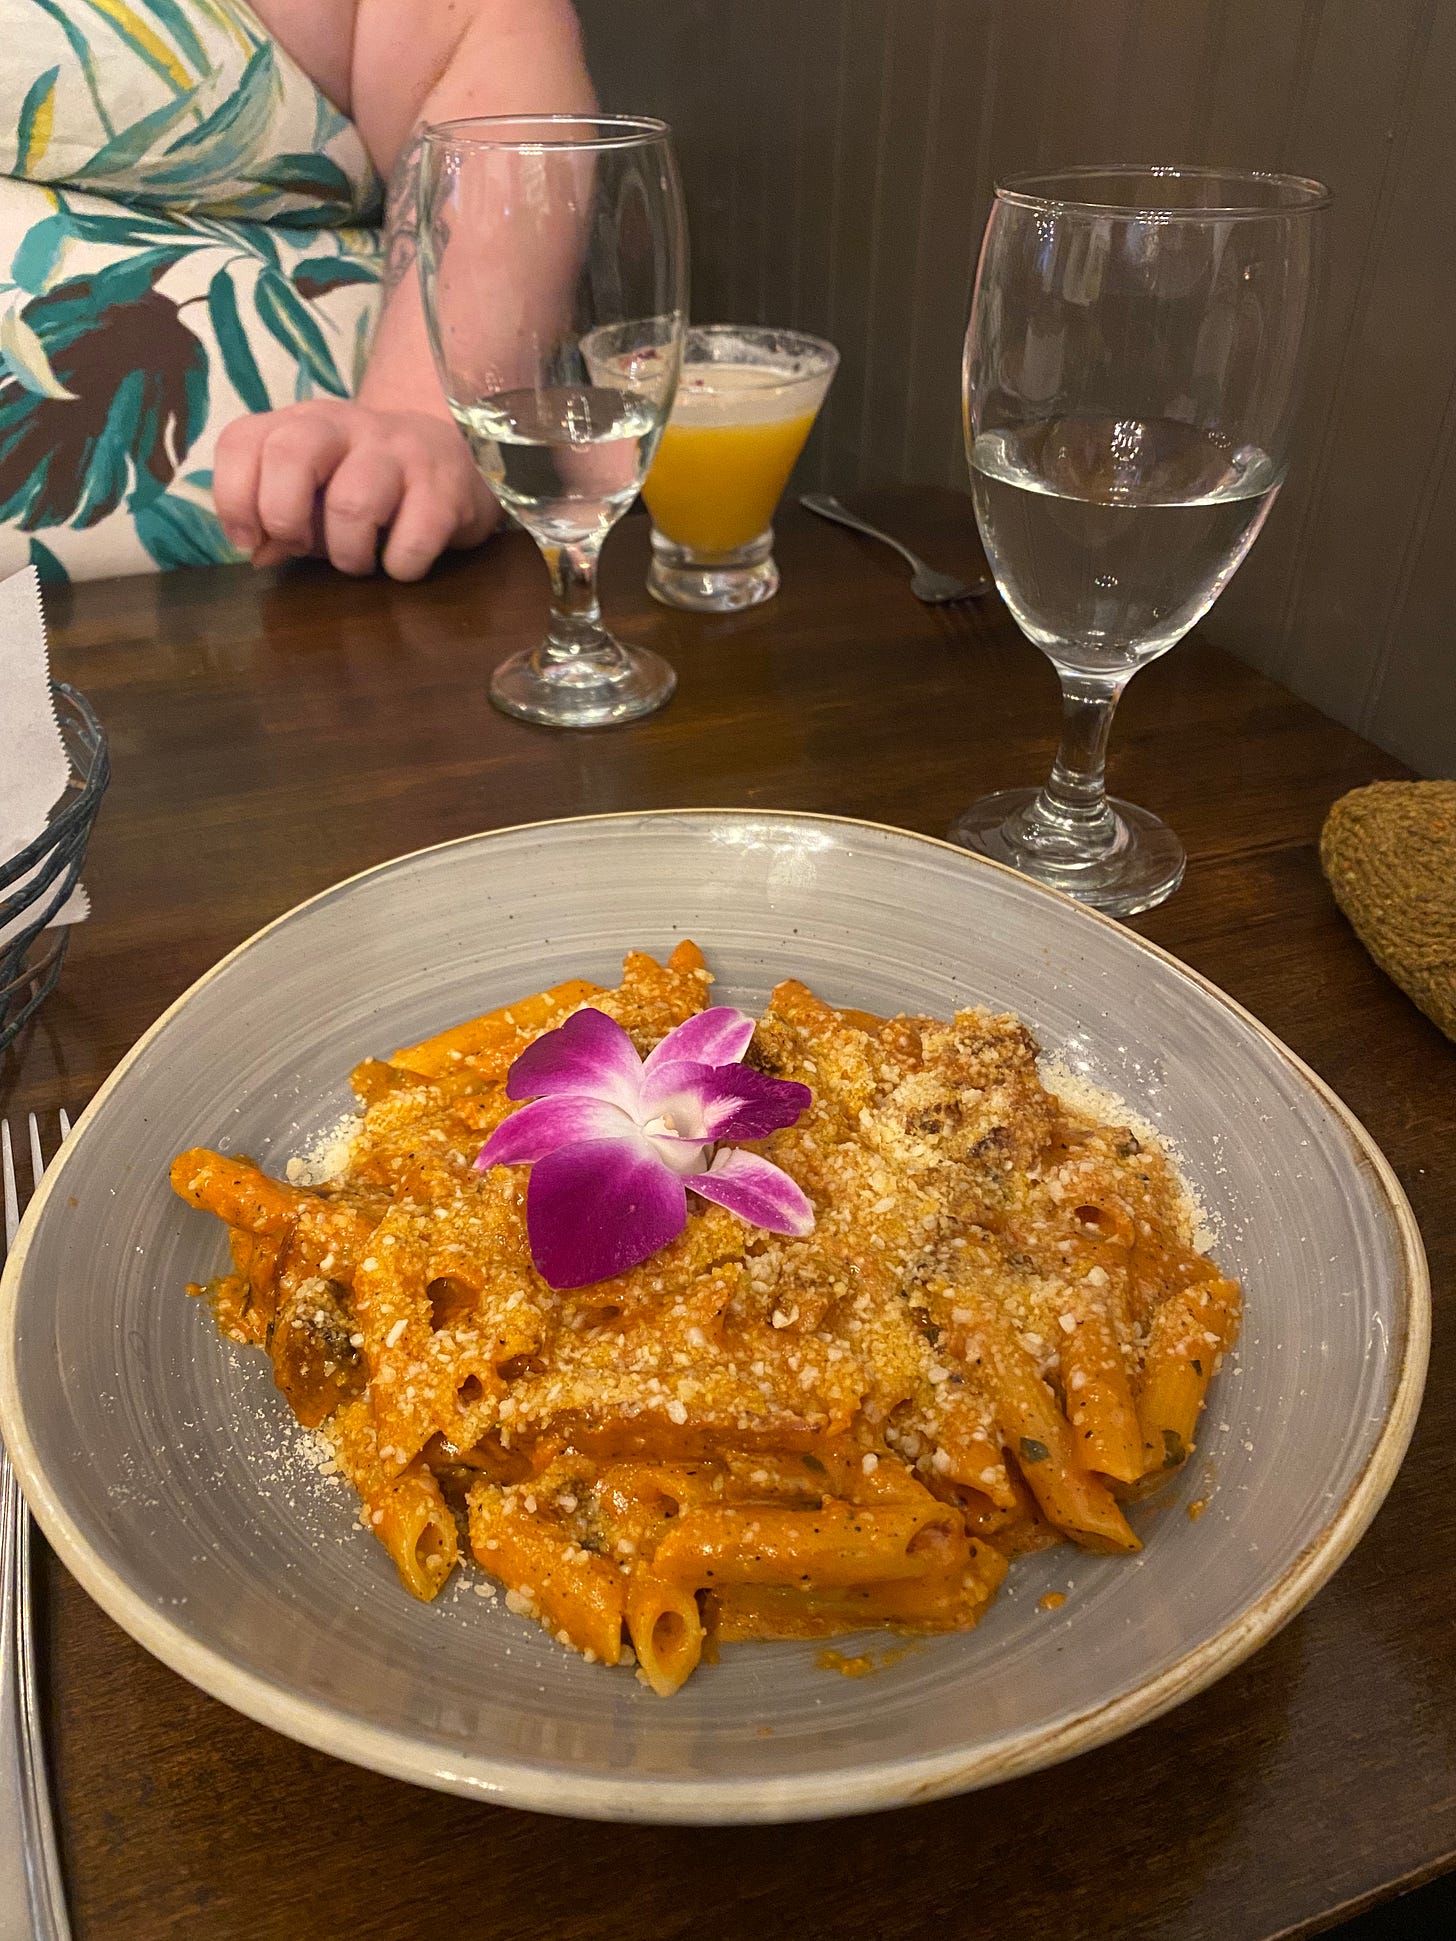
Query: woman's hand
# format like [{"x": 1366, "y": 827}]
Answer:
[
  {"x": 340, "y": 478},
  {"x": 331, "y": 476}
]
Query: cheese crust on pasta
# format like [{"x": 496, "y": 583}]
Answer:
[{"x": 998, "y": 1332}]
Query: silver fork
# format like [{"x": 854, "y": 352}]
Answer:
[
  {"x": 936, "y": 589},
  {"x": 32, "y": 1890}
]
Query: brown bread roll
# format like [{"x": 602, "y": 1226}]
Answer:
[{"x": 1389, "y": 852}]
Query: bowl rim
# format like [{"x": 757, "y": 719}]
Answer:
[{"x": 876, "y": 1785}]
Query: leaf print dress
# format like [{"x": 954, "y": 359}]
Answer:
[{"x": 188, "y": 232}]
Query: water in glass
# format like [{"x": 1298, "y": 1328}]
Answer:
[
  {"x": 1110, "y": 537},
  {"x": 567, "y": 460},
  {"x": 1131, "y": 373}
]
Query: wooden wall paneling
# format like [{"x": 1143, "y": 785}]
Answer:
[
  {"x": 1206, "y": 131},
  {"x": 859, "y": 49},
  {"x": 1288, "y": 107},
  {"x": 1094, "y": 107},
  {"x": 773, "y": 132},
  {"x": 913, "y": 74},
  {"x": 647, "y": 58},
  {"x": 1252, "y": 77},
  {"x": 1024, "y": 118},
  {"x": 809, "y": 303},
  {"x": 1164, "y": 104},
  {"x": 948, "y": 209},
  {"x": 1248, "y": 614},
  {"x": 699, "y": 87},
  {"x": 1412, "y": 707},
  {"x": 751, "y": 61},
  {"x": 1259, "y": 87},
  {"x": 1394, "y": 353},
  {"x": 804, "y": 198},
  {"x": 1012, "y": 126},
  {"x": 1253, "y": 66},
  {"x": 1303, "y": 607},
  {"x": 1409, "y": 347}
]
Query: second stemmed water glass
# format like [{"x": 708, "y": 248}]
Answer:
[
  {"x": 1131, "y": 373},
  {"x": 536, "y": 232}
]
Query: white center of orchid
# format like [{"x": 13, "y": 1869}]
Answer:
[{"x": 673, "y": 1150}]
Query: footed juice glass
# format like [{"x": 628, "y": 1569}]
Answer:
[{"x": 746, "y": 402}]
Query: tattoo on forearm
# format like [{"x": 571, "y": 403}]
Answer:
[{"x": 401, "y": 214}]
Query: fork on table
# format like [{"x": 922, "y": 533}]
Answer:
[
  {"x": 32, "y": 1890},
  {"x": 936, "y": 589}
]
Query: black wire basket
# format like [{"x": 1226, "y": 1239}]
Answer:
[{"x": 30, "y": 961}]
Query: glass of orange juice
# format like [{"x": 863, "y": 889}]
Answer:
[{"x": 746, "y": 401}]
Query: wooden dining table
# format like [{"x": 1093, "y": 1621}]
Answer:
[{"x": 273, "y": 732}]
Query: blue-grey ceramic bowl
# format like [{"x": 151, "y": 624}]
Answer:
[{"x": 165, "y": 1467}]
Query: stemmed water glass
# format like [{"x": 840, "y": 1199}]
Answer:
[
  {"x": 1130, "y": 379},
  {"x": 536, "y": 233}
]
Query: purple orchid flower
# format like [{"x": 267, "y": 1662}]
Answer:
[{"x": 614, "y": 1141}]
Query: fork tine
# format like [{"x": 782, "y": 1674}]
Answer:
[
  {"x": 27, "y": 1832},
  {"x": 12, "y": 1202},
  {"x": 8, "y": 1168}
]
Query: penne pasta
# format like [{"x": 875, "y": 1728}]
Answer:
[
  {"x": 996, "y": 1320},
  {"x": 495, "y": 1038},
  {"x": 1188, "y": 1337},
  {"x": 1040, "y": 1440},
  {"x": 237, "y": 1192},
  {"x": 835, "y": 1545},
  {"x": 666, "y": 1630},
  {"x": 578, "y": 1596},
  {"x": 411, "y": 1519},
  {"x": 1107, "y": 1435}
]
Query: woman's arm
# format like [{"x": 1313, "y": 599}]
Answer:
[
  {"x": 507, "y": 57},
  {"x": 332, "y": 475}
]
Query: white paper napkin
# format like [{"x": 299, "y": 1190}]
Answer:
[{"x": 33, "y": 762}]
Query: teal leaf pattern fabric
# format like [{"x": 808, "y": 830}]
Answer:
[
  {"x": 132, "y": 397},
  {"x": 50, "y": 569},
  {"x": 186, "y": 235},
  {"x": 232, "y": 343},
  {"x": 37, "y": 117},
  {"x": 179, "y": 532},
  {"x": 185, "y": 105},
  {"x": 286, "y": 315}
]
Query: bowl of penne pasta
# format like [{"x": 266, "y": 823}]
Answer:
[{"x": 708, "y": 1316}]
